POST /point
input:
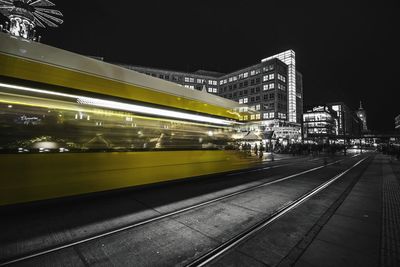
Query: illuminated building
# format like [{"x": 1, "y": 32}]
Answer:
[
  {"x": 349, "y": 124},
  {"x": 397, "y": 122},
  {"x": 320, "y": 123},
  {"x": 273, "y": 88},
  {"x": 362, "y": 115},
  {"x": 25, "y": 15}
]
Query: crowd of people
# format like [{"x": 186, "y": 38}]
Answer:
[{"x": 294, "y": 149}]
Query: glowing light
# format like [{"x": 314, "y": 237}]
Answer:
[{"x": 124, "y": 106}]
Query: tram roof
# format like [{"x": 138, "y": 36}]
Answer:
[{"x": 38, "y": 62}]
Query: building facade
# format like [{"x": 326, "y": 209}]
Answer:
[
  {"x": 349, "y": 125},
  {"x": 397, "y": 123},
  {"x": 320, "y": 124},
  {"x": 272, "y": 88}
]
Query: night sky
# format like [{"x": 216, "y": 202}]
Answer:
[{"x": 347, "y": 51}]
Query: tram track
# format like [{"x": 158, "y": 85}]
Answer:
[
  {"x": 36, "y": 254},
  {"x": 224, "y": 247}
]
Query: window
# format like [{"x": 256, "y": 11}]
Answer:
[
  {"x": 253, "y": 72},
  {"x": 271, "y": 86},
  {"x": 258, "y": 98},
  {"x": 161, "y": 76},
  {"x": 166, "y": 77},
  {"x": 265, "y": 78},
  {"x": 266, "y": 115},
  {"x": 252, "y": 117},
  {"x": 245, "y": 100},
  {"x": 282, "y": 78},
  {"x": 265, "y": 87},
  {"x": 240, "y": 100},
  {"x": 245, "y": 92},
  {"x": 265, "y": 97},
  {"x": 215, "y": 90},
  {"x": 272, "y": 96},
  {"x": 257, "y": 116},
  {"x": 252, "y": 99},
  {"x": 245, "y": 75},
  {"x": 199, "y": 80},
  {"x": 271, "y": 76},
  {"x": 246, "y": 83},
  {"x": 258, "y": 107},
  {"x": 191, "y": 80}
]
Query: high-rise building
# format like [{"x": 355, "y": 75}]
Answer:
[
  {"x": 273, "y": 88},
  {"x": 362, "y": 115}
]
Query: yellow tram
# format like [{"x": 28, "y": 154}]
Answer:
[{"x": 72, "y": 125}]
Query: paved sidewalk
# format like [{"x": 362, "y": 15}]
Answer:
[{"x": 364, "y": 230}]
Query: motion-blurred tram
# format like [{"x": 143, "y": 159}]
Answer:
[{"x": 72, "y": 125}]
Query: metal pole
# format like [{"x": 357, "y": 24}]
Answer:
[{"x": 344, "y": 131}]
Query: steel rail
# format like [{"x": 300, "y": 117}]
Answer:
[
  {"x": 160, "y": 217},
  {"x": 244, "y": 235}
]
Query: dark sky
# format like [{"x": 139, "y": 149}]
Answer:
[{"x": 347, "y": 51}]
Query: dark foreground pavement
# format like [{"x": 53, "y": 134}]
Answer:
[
  {"x": 360, "y": 227},
  {"x": 364, "y": 230},
  {"x": 354, "y": 221}
]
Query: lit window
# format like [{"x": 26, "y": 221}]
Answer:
[
  {"x": 245, "y": 100},
  {"x": 271, "y": 76},
  {"x": 210, "y": 89},
  {"x": 240, "y": 101},
  {"x": 253, "y": 72},
  {"x": 187, "y": 79},
  {"x": 265, "y": 78},
  {"x": 265, "y": 116},
  {"x": 252, "y": 117},
  {"x": 265, "y": 87},
  {"x": 215, "y": 90},
  {"x": 257, "y": 116},
  {"x": 246, "y": 74},
  {"x": 200, "y": 81},
  {"x": 258, "y": 107},
  {"x": 271, "y": 86}
]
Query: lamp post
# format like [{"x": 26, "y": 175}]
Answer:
[{"x": 344, "y": 130}]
